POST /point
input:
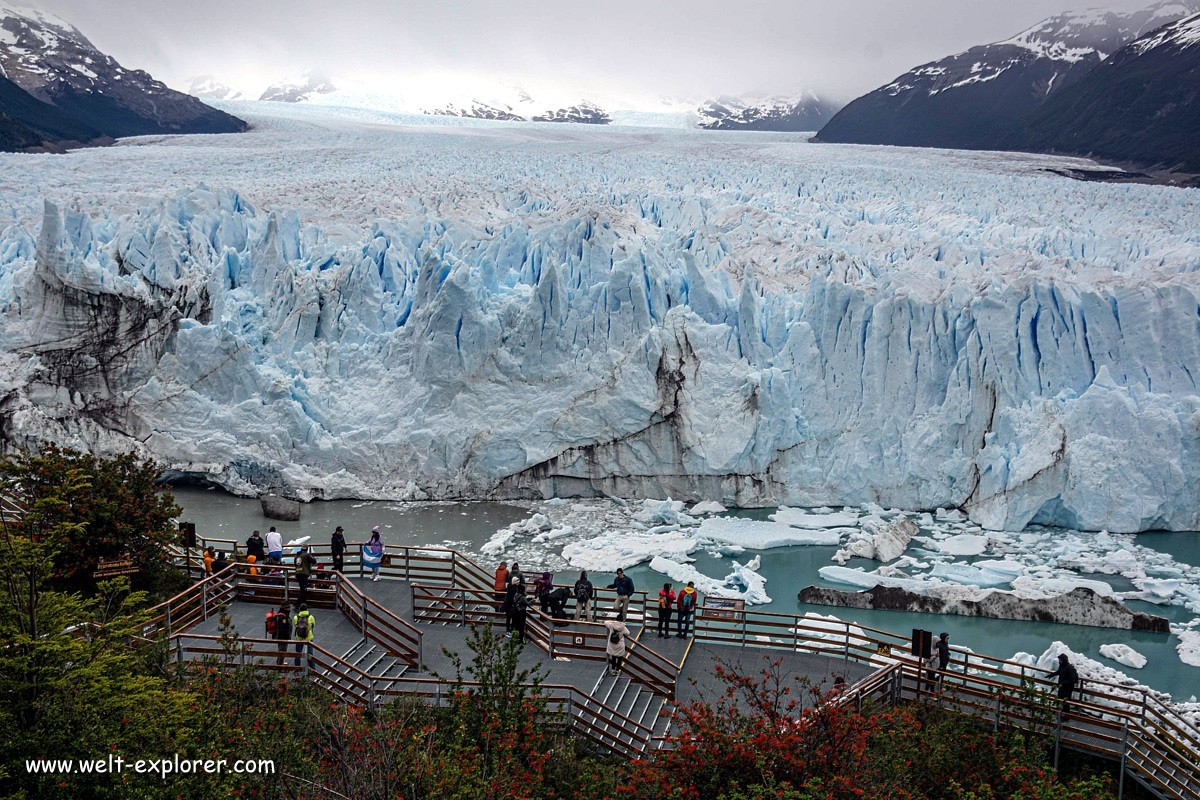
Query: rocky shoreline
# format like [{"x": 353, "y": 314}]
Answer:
[{"x": 1080, "y": 606}]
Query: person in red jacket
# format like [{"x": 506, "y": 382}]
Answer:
[
  {"x": 666, "y": 601},
  {"x": 501, "y": 584},
  {"x": 686, "y": 600}
]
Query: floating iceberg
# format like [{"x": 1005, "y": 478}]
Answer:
[
  {"x": 743, "y": 583},
  {"x": 1123, "y": 654},
  {"x": 758, "y": 535},
  {"x": 623, "y": 549},
  {"x": 1189, "y": 648},
  {"x": 800, "y": 518}
]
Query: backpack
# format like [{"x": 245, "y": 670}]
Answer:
[
  {"x": 614, "y": 637},
  {"x": 662, "y": 601},
  {"x": 302, "y": 626},
  {"x": 583, "y": 592},
  {"x": 272, "y": 625},
  {"x": 689, "y": 599}
]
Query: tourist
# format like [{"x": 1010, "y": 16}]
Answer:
[
  {"x": 210, "y": 555},
  {"x": 541, "y": 590},
  {"x": 839, "y": 685},
  {"x": 510, "y": 598},
  {"x": 583, "y": 597},
  {"x": 624, "y": 587},
  {"x": 929, "y": 665},
  {"x": 337, "y": 547},
  {"x": 373, "y": 552},
  {"x": 686, "y": 601},
  {"x": 282, "y": 632},
  {"x": 219, "y": 563},
  {"x": 615, "y": 646},
  {"x": 518, "y": 611},
  {"x": 275, "y": 545},
  {"x": 941, "y": 652},
  {"x": 515, "y": 575},
  {"x": 1068, "y": 677},
  {"x": 303, "y": 628},
  {"x": 304, "y": 568},
  {"x": 666, "y": 601},
  {"x": 255, "y": 546},
  {"x": 501, "y": 585},
  {"x": 557, "y": 601}
]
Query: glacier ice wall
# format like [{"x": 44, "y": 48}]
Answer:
[{"x": 620, "y": 345}]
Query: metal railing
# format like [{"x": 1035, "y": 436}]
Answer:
[
  {"x": 1153, "y": 743},
  {"x": 347, "y": 682},
  {"x": 558, "y": 638}
]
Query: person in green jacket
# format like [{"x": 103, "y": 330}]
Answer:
[{"x": 303, "y": 627}]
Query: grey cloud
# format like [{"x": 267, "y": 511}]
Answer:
[{"x": 666, "y": 47}]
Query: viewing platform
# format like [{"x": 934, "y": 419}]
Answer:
[{"x": 375, "y": 641}]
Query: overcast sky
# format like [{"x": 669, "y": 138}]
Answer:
[{"x": 678, "y": 48}]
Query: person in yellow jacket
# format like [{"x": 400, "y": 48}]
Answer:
[{"x": 303, "y": 627}]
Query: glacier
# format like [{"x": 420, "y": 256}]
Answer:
[{"x": 342, "y": 306}]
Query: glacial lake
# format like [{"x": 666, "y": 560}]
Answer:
[{"x": 466, "y": 526}]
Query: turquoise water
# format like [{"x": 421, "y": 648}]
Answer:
[{"x": 787, "y": 570}]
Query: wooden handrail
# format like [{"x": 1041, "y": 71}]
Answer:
[{"x": 581, "y": 704}]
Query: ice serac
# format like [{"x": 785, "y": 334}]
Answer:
[{"x": 554, "y": 345}]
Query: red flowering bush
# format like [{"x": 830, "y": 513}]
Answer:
[{"x": 766, "y": 736}]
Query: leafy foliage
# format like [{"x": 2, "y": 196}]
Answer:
[{"x": 90, "y": 508}]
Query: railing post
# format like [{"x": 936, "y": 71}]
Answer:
[
  {"x": 1124, "y": 751},
  {"x": 1058, "y": 736},
  {"x": 364, "y": 616},
  {"x": 406, "y": 552},
  {"x": 550, "y": 639},
  {"x": 420, "y": 654},
  {"x": 846, "y": 656},
  {"x": 179, "y": 654},
  {"x": 371, "y": 699},
  {"x": 1143, "y": 716},
  {"x": 412, "y": 600},
  {"x": 743, "y": 629},
  {"x": 796, "y": 636},
  {"x": 362, "y": 550},
  {"x": 287, "y": 585},
  {"x": 204, "y": 601},
  {"x": 168, "y": 620},
  {"x": 462, "y": 606},
  {"x": 996, "y": 724}
]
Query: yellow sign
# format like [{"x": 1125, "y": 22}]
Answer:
[{"x": 111, "y": 567}]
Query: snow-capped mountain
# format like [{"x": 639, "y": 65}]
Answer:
[
  {"x": 29, "y": 125},
  {"x": 1142, "y": 104},
  {"x": 803, "y": 111},
  {"x": 206, "y": 86},
  {"x": 982, "y": 98},
  {"x": 476, "y": 110},
  {"x": 581, "y": 112},
  {"x": 55, "y": 63},
  {"x": 298, "y": 89}
]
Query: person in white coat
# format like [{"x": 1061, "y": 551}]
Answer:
[
  {"x": 615, "y": 646},
  {"x": 274, "y": 546}
]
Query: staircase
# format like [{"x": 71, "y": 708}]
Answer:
[
  {"x": 370, "y": 658},
  {"x": 630, "y": 700}
]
